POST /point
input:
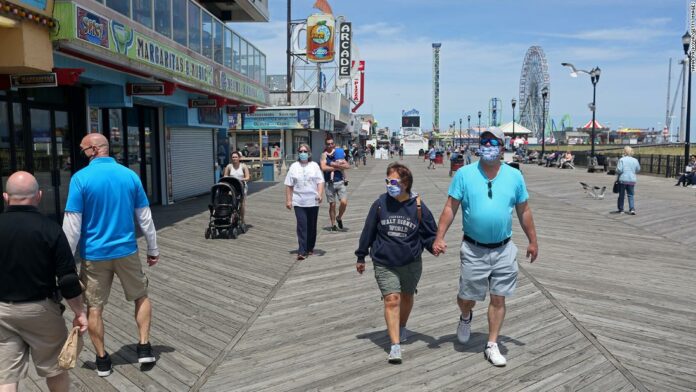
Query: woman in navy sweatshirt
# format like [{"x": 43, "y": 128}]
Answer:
[{"x": 396, "y": 230}]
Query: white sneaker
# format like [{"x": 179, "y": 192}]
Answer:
[
  {"x": 464, "y": 328},
  {"x": 493, "y": 355},
  {"x": 395, "y": 354}
]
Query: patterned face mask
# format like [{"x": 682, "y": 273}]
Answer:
[{"x": 489, "y": 153}]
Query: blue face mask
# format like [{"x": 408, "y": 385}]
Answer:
[
  {"x": 303, "y": 156},
  {"x": 393, "y": 190},
  {"x": 489, "y": 153}
]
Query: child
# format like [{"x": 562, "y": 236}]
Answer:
[{"x": 340, "y": 157}]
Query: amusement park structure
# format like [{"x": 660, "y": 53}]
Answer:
[
  {"x": 534, "y": 77},
  {"x": 436, "y": 85},
  {"x": 495, "y": 112}
]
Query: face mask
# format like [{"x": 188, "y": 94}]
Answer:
[
  {"x": 490, "y": 153},
  {"x": 393, "y": 190},
  {"x": 303, "y": 156}
]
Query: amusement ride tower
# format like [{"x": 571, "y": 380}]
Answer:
[{"x": 436, "y": 86}]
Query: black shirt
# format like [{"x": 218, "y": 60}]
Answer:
[{"x": 33, "y": 253}]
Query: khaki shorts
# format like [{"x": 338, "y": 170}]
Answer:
[
  {"x": 336, "y": 191},
  {"x": 97, "y": 277},
  {"x": 30, "y": 328},
  {"x": 484, "y": 270},
  {"x": 402, "y": 279}
]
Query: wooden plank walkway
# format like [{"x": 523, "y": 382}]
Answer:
[{"x": 608, "y": 306}]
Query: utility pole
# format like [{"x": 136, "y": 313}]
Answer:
[{"x": 289, "y": 54}]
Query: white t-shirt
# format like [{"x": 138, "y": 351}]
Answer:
[{"x": 304, "y": 180}]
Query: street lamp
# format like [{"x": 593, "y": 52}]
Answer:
[
  {"x": 460, "y": 132},
  {"x": 468, "y": 130},
  {"x": 514, "y": 103},
  {"x": 479, "y": 116},
  {"x": 594, "y": 77},
  {"x": 544, "y": 95},
  {"x": 686, "y": 40}
]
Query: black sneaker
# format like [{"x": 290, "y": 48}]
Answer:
[
  {"x": 145, "y": 354},
  {"x": 334, "y": 228},
  {"x": 104, "y": 367},
  {"x": 340, "y": 223}
]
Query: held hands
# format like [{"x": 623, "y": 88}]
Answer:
[
  {"x": 439, "y": 246},
  {"x": 360, "y": 267},
  {"x": 152, "y": 260},
  {"x": 533, "y": 251}
]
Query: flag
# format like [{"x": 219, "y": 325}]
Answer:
[{"x": 323, "y": 6}]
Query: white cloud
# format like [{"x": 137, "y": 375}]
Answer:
[{"x": 628, "y": 34}]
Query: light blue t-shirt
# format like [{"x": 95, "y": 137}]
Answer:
[
  {"x": 488, "y": 220},
  {"x": 106, "y": 194}
]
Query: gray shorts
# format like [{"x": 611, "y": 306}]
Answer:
[
  {"x": 483, "y": 270},
  {"x": 402, "y": 279},
  {"x": 336, "y": 191}
]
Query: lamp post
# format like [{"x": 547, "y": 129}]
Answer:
[
  {"x": 479, "y": 116},
  {"x": 468, "y": 129},
  {"x": 460, "y": 132},
  {"x": 544, "y": 95},
  {"x": 514, "y": 103},
  {"x": 594, "y": 77},
  {"x": 686, "y": 40}
]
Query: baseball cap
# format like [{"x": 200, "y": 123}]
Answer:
[{"x": 495, "y": 131}]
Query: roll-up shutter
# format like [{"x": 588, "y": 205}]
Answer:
[{"x": 192, "y": 162}]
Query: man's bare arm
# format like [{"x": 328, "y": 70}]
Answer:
[{"x": 524, "y": 214}]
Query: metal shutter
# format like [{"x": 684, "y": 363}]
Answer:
[{"x": 192, "y": 162}]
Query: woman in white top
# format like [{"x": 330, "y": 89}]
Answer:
[
  {"x": 239, "y": 171},
  {"x": 304, "y": 192}
]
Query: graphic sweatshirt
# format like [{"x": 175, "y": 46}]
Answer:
[{"x": 392, "y": 235}]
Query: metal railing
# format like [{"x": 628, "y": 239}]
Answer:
[{"x": 661, "y": 165}]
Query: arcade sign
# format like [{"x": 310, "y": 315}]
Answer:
[{"x": 344, "y": 49}]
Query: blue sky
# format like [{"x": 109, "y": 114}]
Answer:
[{"x": 483, "y": 47}]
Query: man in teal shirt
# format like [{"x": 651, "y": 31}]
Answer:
[{"x": 487, "y": 192}]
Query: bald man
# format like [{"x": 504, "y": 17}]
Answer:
[
  {"x": 105, "y": 200},
  {"x": 34, "y": 255}
]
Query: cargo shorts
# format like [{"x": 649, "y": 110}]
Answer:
[
  {"x": 336, "y": 191},
  {"x": 484, "y": 270},
  {"x": 97, "y": 277}
]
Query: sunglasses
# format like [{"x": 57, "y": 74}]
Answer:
[
  {"x": 491, "y": 141},
  {"x": 490, "y": 189},
  {"x": 303, "y": 151},
  {"x": 392, "y": 181}
]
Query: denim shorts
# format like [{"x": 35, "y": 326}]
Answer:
[
  {"x": 403, "y": 279},
  {"x": 484, "y": 270}
]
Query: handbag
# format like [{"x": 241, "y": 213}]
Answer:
[
  {"x": 67, "y": 359},
  {"x": 615, "y": 189}
]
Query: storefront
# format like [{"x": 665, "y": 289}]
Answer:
[{"x": 157, "y": 93}]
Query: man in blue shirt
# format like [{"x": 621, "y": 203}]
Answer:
[
  {"x": 104, "y": 200},
  {"x": 487, "y": 192}
]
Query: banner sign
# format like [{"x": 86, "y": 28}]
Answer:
[
  {"x": 359, "y": 87},
  {"x": 692, "y": 31},
  {"x": 320, "y": 38},
  {"x": 279, "y": 119},
  {"x": 202, "y": 103},
  {"x": 34, "y": 80},
  {"x": 345, "y": 36},
  {"x": 124, "y": 39},
  {"x": 92, "y": 28}
]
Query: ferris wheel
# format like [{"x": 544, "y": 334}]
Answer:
[{"x": 534, "y": 77}]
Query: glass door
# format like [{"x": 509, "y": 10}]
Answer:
[
  {"x": 5, "y": 149},
  {"x": 63, "y": 169},
  {"x": 43, "y": 159}
]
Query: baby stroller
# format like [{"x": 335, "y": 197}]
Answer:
[{"x": 226, "y": 202}]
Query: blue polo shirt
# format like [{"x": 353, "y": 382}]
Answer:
[
  {"x": 488, "y": 220},
  {"x": 106, "y": 194}
]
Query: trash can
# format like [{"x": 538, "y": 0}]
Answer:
[{"x": 267, "y": 171}]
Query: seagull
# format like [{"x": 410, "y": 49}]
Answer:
[{"x": 574, "y": 71}]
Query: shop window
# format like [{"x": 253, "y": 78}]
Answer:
[
  {"x": 120, "y": 6},
  {"x": 228, "y": 49},
  {"x": 207, "y": 35},
  {"x": 116, "y": 135},
  {"x": 217, "y": 42},
  {"x": 179, "y": 16},
  {"x": 263, "y": 69},
  {"x": 18, "y": 130},
  {"x": 142, "y": 12},
  {"x": 244, "y": 59},
  {"x": 194, "y": 27},
  {"x": 163, "y": 17},
  {"x": 236, "y": 47}
]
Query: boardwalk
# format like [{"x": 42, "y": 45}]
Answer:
[{"x": 608, "y": 306}]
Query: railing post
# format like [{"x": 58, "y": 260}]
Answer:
[
  {"x": 667, "y": 169},
  {"x": 652, "y": 156},
  {"x": 659, "y": 163}
]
